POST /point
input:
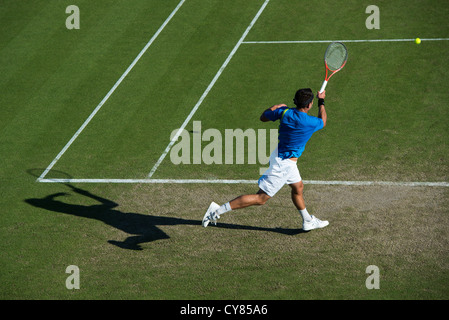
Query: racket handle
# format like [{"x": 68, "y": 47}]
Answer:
[{"x": 323, "y": 86}]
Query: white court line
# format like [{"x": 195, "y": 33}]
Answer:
[
  {"x": 111, "y": 91},
  {"x": 231, "y": 181},
  {"x": 329, "y": 41},
  {"x": 206, "y": 92}
]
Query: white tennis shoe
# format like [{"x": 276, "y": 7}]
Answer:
[
  {"x": 210, "y": 215},
  {"x": 315, "y": 223}
]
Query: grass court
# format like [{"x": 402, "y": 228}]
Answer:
[{"x": 86, "y": 117}]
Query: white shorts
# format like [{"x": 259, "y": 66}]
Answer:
[{"x": 279, "y": 173}]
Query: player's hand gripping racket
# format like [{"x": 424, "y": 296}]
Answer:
[{"x": 335, "y": 59}]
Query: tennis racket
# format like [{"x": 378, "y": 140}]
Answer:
[{"x": 335, "y": 59}]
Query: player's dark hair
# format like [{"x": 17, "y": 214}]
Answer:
[{"x": 303, "y": 97}]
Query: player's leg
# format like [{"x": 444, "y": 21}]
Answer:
[
  {"x": 310, "y": 222},
  {"x": 243, "y": 201},
  {"x": 269, "y": 184},
  {"x": 260, "y": 198},
  {"x": 297, "y": 195}
]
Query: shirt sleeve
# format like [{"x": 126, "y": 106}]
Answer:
[
  {"x": 274, "y": 115},
  {"x": 317, "y": 123}
]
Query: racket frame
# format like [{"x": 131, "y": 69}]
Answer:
[{"x": 327, "y": 77}]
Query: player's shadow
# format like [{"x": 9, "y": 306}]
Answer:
[{"x": 142, "y": 228}]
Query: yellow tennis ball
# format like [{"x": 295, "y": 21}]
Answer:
[{"x": 417, "y": 40}]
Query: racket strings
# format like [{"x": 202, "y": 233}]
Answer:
[{"x": 335, "y": 56}]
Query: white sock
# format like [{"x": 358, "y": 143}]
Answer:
[
  {"x": 305, "y": 215},
  {"x": 224, "y": 208}
]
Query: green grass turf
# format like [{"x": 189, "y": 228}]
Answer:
[{"x": 387, "y": 121}]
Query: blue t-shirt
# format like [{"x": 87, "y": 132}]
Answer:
[{"x": 295, "y": 129}]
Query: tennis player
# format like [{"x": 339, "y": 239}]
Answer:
[{"x": 295, "y": 129}]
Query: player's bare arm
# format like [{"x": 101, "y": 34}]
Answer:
[{"x": 321, "y": 109}]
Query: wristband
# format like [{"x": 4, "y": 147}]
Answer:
[{"x": 320, "y": 102}]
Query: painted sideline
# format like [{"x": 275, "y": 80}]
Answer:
[
  {"x": 111, "y": 91},
  {"x": 231, "y": 181},
  {"x": 329, "y": 41},
  {"x": 206, "y": 92}
]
